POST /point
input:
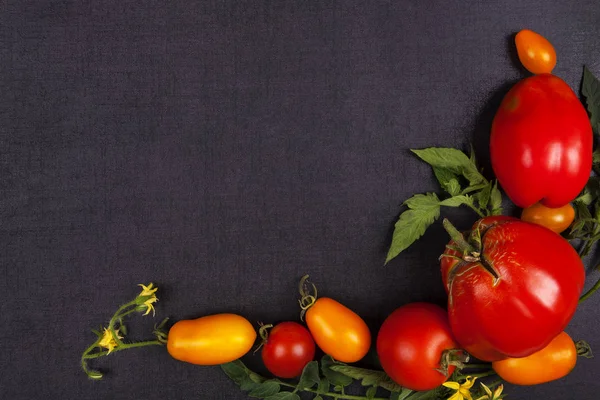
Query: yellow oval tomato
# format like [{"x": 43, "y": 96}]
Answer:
[
  {"x": 211, "y": 340},
  {"x": 338, "y": 331},
  {"x": 535, "y": 52},
  {"x": 556, "y": 219},
  {"x": 554, "y": 361}
]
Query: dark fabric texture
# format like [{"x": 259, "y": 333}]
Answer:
[{"x": 223, "y": 149}]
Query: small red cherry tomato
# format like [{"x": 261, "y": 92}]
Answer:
[{"x": 287, "y": 349}]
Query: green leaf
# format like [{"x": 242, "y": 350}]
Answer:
[
  {"x": 335, "y": 378},
  {"x": 591, "y": 90},
  {"x": 447, "y": 180},
  {"x": 366, "y": 376},
  {"x": 412, "y": 224},
  {"x": 452, "y": 159},
  {"x": 483, "y": 197},
  {"x": 405, "y": 393},
  {"x": 495, "y": 205},
  {"x": 371, "y": 392},
  {"x": 317, "y": 397},
  {"x": 457, "y": 201},
  {"x": 323, "y": 386},
  {"x": 310, "y": 376},
  {"x": 265, "y": 389},
  {"x": 236, "y": 371},
  {"x": 596, "y": 154},
  {"x": 284, "y": 396}
]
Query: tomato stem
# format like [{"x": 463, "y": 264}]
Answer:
[
  {"x": 306, "y": 298},
  {"x": 458, "y": 237},
  {"x": 590, "y": 292}
]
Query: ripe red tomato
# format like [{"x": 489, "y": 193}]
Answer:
[
  {"x": 513, "y": 291},
  {"x": 556, "y": 219},
  {"x": 287, "y": 349},
  {"x": 541, "y": 143},
  {"x": 410, "y": 344},
  {"x": 535, "y": 52}
]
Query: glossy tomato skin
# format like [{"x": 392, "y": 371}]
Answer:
[
  {"x": 287, "y": 350},
  {"x": 410, "y": 344},
  {"x": 555, "y": 219},
  {"x": 338, "y": 331},
  {"x": 535, "y": 52},
  {"x": 211, "y": 340},
  {"x": 553, "y": 362},
  {"x": 541, "y": 143},
  {"x": 539, "y": 280}
]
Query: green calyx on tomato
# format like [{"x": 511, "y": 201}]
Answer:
[{"x": 512, "y": 287}]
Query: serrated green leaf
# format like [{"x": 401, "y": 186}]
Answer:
[
  {"x": 591, "y": 90},
  {"x": 388, "y": 384},
  {"x": 457, "y": 201},
  {"x": 412, "y": 224},
  {"x": 254, "y": 377},
  {"x": 334, "y": 378},
  {"x": 310, "y": 376},
  {"x": 495, "y": 205},
  {"x": 249, "y": 385},
  {"x": 452, "y": 159},
  {"x": 284, "y": 396},
  {"x": 404, "y": 394},
  {"x": 265, "y": 389},
  {"x": 371, "y": 392},
  {"x": 447, "y": 180}
]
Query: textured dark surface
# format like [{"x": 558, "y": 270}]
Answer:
[{"x": 223, "y": 150}]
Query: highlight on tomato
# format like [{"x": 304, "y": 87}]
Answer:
[
  {"x": 211, "y": 340},
  {"x": 286, "y": 348},
  {"x": 416, "y": 347},
  {"x": 337, "y": 330},
  {"x": 553, "y": 362},
  {"x": 555, "y": 219},
  {"x": 535, "y": 52}
]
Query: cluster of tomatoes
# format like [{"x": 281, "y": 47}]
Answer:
[{"x": 513, "y": 284}]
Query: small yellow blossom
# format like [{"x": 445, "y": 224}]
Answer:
[
  {"x": 146, "y": 298},
  {"x": 489, "y": 395},
  {"x": 148, "y": 290},
  {"x": 462, "y": 390},
  {"x": 149, "y": 306},
  {"x": 108, "y": 340}
]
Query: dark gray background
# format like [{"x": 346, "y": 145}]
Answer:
[{"x": 222, "y": 149}]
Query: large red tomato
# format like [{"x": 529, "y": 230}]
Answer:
[
  {"x": 410, "y": 345},
  {"x": 513, "y": 291},
  {"x": 541, "y": 143}
]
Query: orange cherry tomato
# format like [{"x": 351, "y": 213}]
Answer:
[
  {"x": 535, "y": 52},
  {"x": 211, "y": 340},
  {"x": 553, "y": 362},
  {"x": 337, "y": 330},
  {"x": 556, "y": 219}
]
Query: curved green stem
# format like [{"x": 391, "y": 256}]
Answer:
[
  {"x": 590, "y": 292},
  {"x": 477, "y": 210},
  {"x": 123, "y": 346}
]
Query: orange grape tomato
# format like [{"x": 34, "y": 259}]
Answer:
[
  {"x": 338, "y": 331},
  {"x": 535, "y": 52},
  {"x": 211, "y": 340},
  {"x": 556, "y": 219}
]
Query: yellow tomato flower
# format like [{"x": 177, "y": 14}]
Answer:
[
  {"x": 108, "y": 340},
  {"x": 462, "y": 390},
  {"x": 149, "y": 306},
  {"x": 489, "y": 395},
  {"x": 148, "y": 290}
]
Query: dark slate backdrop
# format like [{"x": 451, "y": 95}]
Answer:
[{"x": 222, "y": 149}]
